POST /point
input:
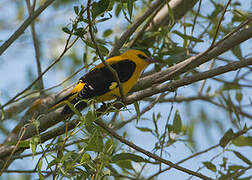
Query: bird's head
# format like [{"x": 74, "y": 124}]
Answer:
[{"x": 139, "y": 56}]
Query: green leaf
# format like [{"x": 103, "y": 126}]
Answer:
[
  {"x": 144, "y": 129},
  {"x": 25, "y": 143},
  {"x": 39, "y": 169},
  {"x": 107, "y": 33},
  {"x": 76, "y": 10},
  {"x": 102, "y": 48},
  {"x": 235, "y": 167},
  {"x": 85, "y": 158},
  {"x": 127, "y": 156},
  {"x": 136, "y": 105},
  {"x": 210, "y": 166},
  {"x": 239, "y": 16},
  {"x": 130, "y": 7},
  {"x": 2, "y": 113},
  {"x": 183, "y": 36},
  {"x": 53, "y": 162},
  {"x": 226, "y": 87},
  {"x": 237, "y": 52},
  {"x": 90, "y": 117},
  {"x": 243, "y": 158},
  {"x": 238, "y": 96},
  {"x": 66, "y": 156},
  {"x": 125, "y": 164},
  {"x": 99, "y": 7},
  {"x": 157, "y": 67},
  {"x": 66, "y": 30},
  {"x": 109, "y": 147},
  {"x": 80, "y": 32},
  {"x": 171, "y": 14},
  {"x": 118, "y": 10},
  {"x": 71, "y": 106},
  {"x": 242, "y": 141},
  {"x": 226, "y": 138},
  {"x": 33, "y": 144},
  {"x": 177, "y": 123},
  {"x": 95, "y": 143}
]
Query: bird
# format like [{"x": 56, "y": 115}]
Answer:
[{"x": 100, "y": 83}]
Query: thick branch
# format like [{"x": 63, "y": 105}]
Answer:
[
  {"x": 179, "y": 9},
  {"x": 187, "y": 80}
]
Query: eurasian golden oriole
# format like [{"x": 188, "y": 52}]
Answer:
[{"x": 100, "y": 84}]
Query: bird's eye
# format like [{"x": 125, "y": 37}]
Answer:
[{"x": 141, "y": 56}]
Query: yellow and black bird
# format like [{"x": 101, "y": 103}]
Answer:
[{"x": 100, "y": 84}]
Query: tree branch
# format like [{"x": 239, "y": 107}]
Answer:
[
  {"x": 25, "y": 24},
  {"x": 35, "y": 44},
  {"x": 194, "y": 61}
]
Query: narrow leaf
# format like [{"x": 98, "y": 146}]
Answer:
[
  {"x": 242, "y": 141},
  {"x": 177, "y": 123},
  {"x": 210, "y": 166},
  {"x": 33, "y": 144},
  {"x": 191, "y": 38},
  {"x": 85, "y": 158},
  {"x": 39, "y": 169},
  {"x": 130, "y": 7},
  {"x": 99, "y": 7},
  {"x": 127, "y": 156},
  {"x": 136, "y": 105},
  {"x": 144, "y": 129},
  {"x": 66, "y": 30},
  {"x": 243, "y": 158},
  {"x": 226, "y": 138}
]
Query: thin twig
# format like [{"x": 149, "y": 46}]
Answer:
[
  {"x": 57, "y": 85},
  {"x": 25, "y": 171},
  {"x": 141, "y": 32},
  {"x": 47, "y": 69},
  {"x": 194, "y": 21},
  {"x": 146, "y": 109},
  {"x": 219, "y": 23},
  {"x": 162, "y": 141},
  {"x": 12, "y": 152},
  {"x": 35, "y": 44},
  {"x": 113, "y": 71},
  {"x": 238, "y": 28},
  {"x": 212, "y": 44},
  {"x": 186, "y": 159},
  {"x": 239, "y": 173}
]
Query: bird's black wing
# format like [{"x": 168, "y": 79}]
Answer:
[{"x": 98, "y": 81}]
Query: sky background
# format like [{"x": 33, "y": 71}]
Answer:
[{"x": 19, "y": 60}]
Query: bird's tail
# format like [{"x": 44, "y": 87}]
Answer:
[
  {"x": 61, "y": 102},
  {"x": 72, "y": 98}
]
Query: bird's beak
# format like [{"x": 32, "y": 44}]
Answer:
[{"x": 150, "y": 60}]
